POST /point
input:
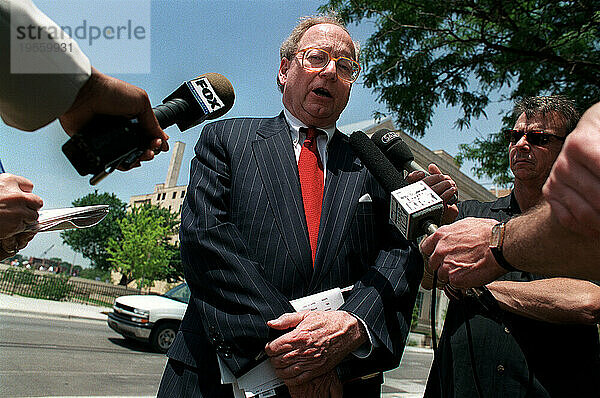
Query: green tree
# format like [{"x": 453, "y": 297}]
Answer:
[
  {"x": 142, "y": 253},
  {"x": 92, "y": 273},
  {"x": 173, "y": 270},
  {"x": 462, "y": 53},
  {"x": 91, "y": 242}
]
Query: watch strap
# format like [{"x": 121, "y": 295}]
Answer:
[
  {"x": 497, "y": 253},
  {"x": 496, "y": 248}
]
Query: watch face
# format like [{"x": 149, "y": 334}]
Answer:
[{"x": 496, "y": 238}]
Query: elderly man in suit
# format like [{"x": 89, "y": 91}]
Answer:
[{"x": 281, "y": 208}]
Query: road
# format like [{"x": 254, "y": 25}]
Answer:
[
  {"x": 50, "y": 357},
  {"x": 60, "y": 357}
]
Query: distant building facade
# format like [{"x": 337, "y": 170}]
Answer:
[{"x": 167, "y": 195}]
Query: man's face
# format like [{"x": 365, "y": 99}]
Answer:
[
  {"x": 531, "y": 163},
  {"x": 317, "y": 98}
]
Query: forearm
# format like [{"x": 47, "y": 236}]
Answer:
[
  {"x": 537, "y": 243},
  {"x": 36, "y": 96},
  {"x": 556, "y": 300}
]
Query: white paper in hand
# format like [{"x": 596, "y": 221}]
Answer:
[{"x": 67, "y": 218}]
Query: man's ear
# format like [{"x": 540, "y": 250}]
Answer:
[{"x": 284, "y": 66}]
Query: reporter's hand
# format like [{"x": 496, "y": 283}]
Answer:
[
  {"x": 18, "y": 206},
  {"x": 461, "y": 255},
  {"x": 10, "y": 246},
  {"x": 318, "y": 342},
  {"x": 106, "y": 95},
  {"x": 443, "y": 185},
  {"x": 573, "y": 187}
]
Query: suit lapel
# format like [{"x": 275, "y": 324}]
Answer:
[
  {"x": 342, "y": 190},
  {"x": 275, "y": 158}
]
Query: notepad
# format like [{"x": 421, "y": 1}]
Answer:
[{"x": 68, "y": 218}]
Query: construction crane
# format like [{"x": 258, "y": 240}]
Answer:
[
  {"x": 47, "y": 250},
  {"x": 43, "y": 255}
]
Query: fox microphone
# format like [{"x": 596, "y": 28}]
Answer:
[{"x": 108, "y": 142}]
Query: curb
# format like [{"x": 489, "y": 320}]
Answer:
[{"x": 5, "y": 311}]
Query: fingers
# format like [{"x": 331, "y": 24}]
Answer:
[
  {"x": 569, "y": 198},
  {"x": 302, "y": 370},
  {"x": 286, "y": 321},
  {"x": 17, "y": 242},
  {"x": 18, "y": 206},
  {"x": 106, "y": 95},
  {"x": 452, "y": 292},
  {"x": 442, "y": 184},
  {"x": 574, "y": 182},
  {"x": 415, "y": 176}
]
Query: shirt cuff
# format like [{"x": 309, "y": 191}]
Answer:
[{"x": 366, "y": 348}]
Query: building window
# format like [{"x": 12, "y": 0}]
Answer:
[
  {"x": 169, "y": 207},
  {"x": 182, "y": 193},
  {"x": 164, "y": 195},
  {"x": 174, "y": 195},
  {"x": 419, "y": 303},
  {"x": 158, "y": 197}
]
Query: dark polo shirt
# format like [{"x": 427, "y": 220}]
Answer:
[{"x": 564, "y": 360}]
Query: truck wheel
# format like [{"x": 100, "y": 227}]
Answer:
[{"x": 163, "y": 336}]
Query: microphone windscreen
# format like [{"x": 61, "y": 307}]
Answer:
[
  {"x": 393, "y": 146},
  {"x": 375, "y": 161},
  {"x": 224, "y": 91}
]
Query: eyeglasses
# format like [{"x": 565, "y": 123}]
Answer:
[
  {"x": 316, "y": 59},
  {"x": 537, "y": 138}
]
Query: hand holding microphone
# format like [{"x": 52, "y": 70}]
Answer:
[
  {"x": 396, "y": 150},
  {"x": 415, "y": 209},
  {"x": 106, "y": 95},
  {"x": 107, "y": 142}
]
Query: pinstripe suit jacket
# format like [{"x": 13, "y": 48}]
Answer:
[{"x": 246, "y": 251}]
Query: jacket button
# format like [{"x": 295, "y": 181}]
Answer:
[
  {"x": 506, "y": 330},
  {"x": 500, "y": 369}
]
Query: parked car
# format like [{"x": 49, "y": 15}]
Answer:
[{"x": 152, "y": 319}]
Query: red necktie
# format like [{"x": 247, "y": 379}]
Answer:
[{"x": 310, "y": 169}]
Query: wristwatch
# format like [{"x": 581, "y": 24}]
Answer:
[{"x": 496, "y": 242}]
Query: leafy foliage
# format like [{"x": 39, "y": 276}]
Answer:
[
  {"x": 91, "y": 242},
  {"x": 143, "y": 254},
  {"x": 93, "y": 273},
  {"x": 428, "y": 53}
]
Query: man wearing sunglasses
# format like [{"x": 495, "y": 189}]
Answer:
[
  {"x": 542, "y": 324},
  {"x": 559, "y": 237},
  {"x": 281, "y": 208}
]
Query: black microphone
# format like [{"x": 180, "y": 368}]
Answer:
[
  {"x": 414, "y": 208},
  {"x": 107, "y": 142},
  {"x": 375, "y": 161},
  {"x": 398, "y": 152}
]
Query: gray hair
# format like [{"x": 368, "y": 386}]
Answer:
[
  {"x": 289, "y": 47},
  {"x": 561, "y": 110}
]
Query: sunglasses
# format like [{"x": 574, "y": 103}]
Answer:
[{"x": 538, "y": 138}]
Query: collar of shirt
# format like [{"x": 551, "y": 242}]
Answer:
[
  {"x": 508, "y": 204},
  {"x": 299, "y": 137}
]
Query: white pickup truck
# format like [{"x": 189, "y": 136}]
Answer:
[{"x": 150, "y": 318}]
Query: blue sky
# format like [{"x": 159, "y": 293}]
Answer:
[{"x": 238, "y": 39}]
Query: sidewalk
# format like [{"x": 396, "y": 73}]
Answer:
[{"x": 26, "y": 305}]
